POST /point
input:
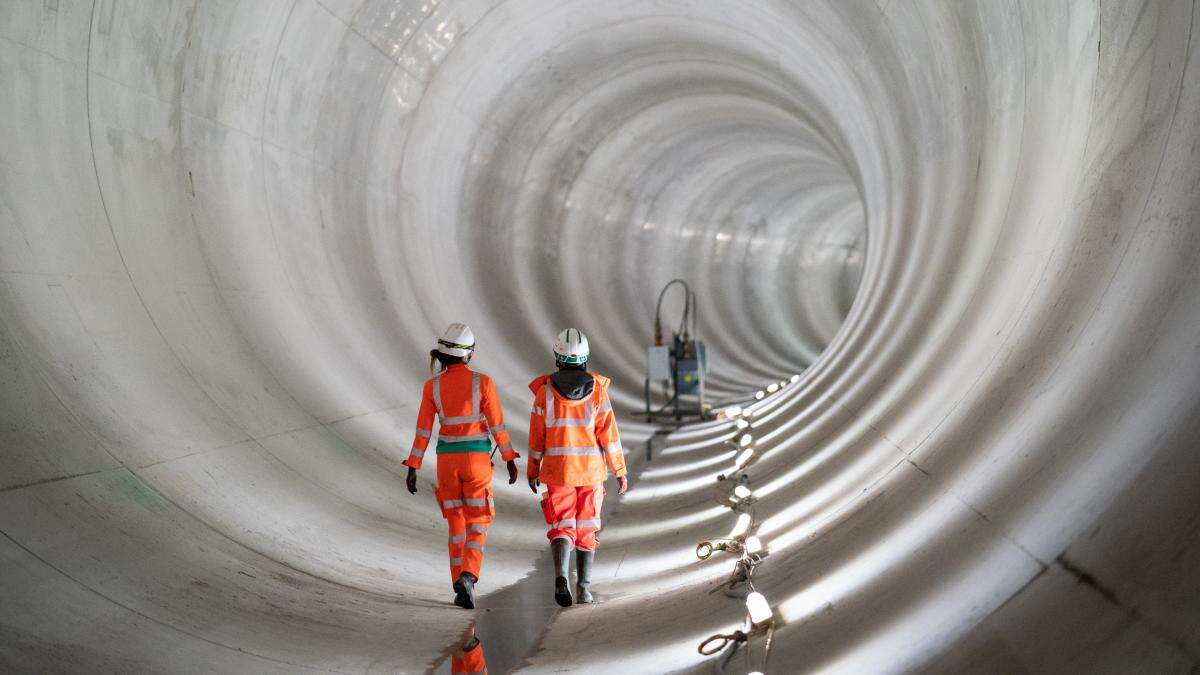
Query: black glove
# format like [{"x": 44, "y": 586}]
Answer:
[
  {"x": 533, "y": 485},
  {"x": 512, "y": 471},
  {"x": 411, "y": 481}
]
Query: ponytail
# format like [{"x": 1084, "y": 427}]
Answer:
[{"x": 442, "y": 361}]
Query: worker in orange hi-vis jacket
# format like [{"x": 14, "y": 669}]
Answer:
[
  {"x": 573, "y": 442},
  {"x": 468, "y": 410}
]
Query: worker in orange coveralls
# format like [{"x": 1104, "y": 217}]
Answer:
[
  {"x": 573, "y": 442},
  {"x": 470, "y": 660},
  {"x": 468, "y": 410}
]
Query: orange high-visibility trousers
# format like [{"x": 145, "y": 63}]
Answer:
[
  {"x": 469, "y": 661},
  {"x": 464, "y": 494},
  {"x": 573, "y": 513}
]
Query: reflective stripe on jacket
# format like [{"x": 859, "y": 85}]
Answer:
[
  {"x": 573, "y": 442},
  {"x": 468, "y": 410}
]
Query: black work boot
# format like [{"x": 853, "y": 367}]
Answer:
[
  {"x": 583, "y": 567},
  {"x": 562, "y": 589},
  {"x": 464, "y": 590}
]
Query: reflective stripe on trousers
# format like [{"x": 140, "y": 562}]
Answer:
[
  {"x": 574, "y": 513},
  {"x": 466, "y": 544}
]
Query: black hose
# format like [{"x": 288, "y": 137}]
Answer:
[{"x": 687, "y": 307}]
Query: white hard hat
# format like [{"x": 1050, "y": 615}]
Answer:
[
  {"x": 571, "y": 347},
  {"x": 456, "y": 340}
]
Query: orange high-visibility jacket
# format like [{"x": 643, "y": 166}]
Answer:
[
  {"x": 466, "y": 405},
  {"x": 571, "y": 441}
]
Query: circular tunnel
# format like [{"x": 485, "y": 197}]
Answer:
[{"x": 959, "y": 241}]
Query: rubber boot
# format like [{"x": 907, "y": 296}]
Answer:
[
  {"x": 583, "y": 567},
  {"x": 562, "y": 588},
  {"x": 464, "y": 590}
]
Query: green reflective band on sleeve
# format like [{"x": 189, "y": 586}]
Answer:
[{"x": 448, "y": 447}]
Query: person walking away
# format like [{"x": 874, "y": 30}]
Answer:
[
  {"x": 573, "y": 443},
  {"x": 468, "y": 411}
]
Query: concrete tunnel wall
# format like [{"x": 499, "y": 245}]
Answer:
[{"x": 230, "y": 230}]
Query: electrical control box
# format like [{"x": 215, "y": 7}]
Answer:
[
  {"x": 677, "y": 368},
  {"x": 689, "y": 367},
  {"x": 658, "y": 363},
  {"x": 689, "y": 376}
]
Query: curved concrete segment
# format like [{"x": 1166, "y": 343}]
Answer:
[{"x": 229, "y": 230}]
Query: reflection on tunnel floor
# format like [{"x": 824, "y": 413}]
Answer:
[
  {"x": 513, "y": 620},
  {"x": 470, "y": 660}
]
